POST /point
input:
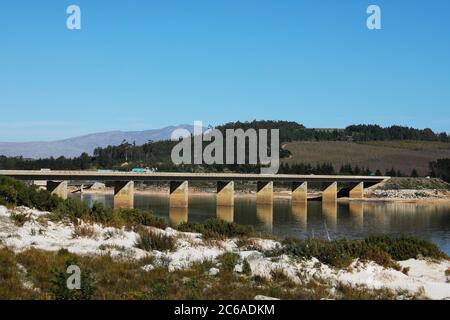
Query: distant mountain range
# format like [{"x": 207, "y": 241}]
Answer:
[{"x": 73, "y": 147}]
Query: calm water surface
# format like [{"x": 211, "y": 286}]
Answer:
[{"x": 343, "y": 220}]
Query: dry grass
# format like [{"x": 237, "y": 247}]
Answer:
[
  {"x": 84, "y": 231},
  {"x": 124, "y": 279},
  {"x": 382, "y": 155}
]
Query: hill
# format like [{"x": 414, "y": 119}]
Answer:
[
  {"x": 73, "y": 147},
  {"x": 403, "y": 155}
]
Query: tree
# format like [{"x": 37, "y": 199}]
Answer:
[
  {"x": 414, "y": 173},
  {"x": 440, "y": 169}
]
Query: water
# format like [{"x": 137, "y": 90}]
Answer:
[{"x": 342, "y": 220}]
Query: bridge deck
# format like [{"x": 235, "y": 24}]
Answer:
[{"x": 179, "y": 176}]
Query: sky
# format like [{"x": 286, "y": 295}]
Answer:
[{"x": 137, "y": 65}]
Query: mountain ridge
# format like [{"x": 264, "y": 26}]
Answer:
[{"x": 73, "y": 147}]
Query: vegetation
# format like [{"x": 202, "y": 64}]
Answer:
[
  {"x": 17, "y": 193},
  {"x": 394, "y": 158},
  {"x": 19, "y": 219},
  {"x": 375, "y": 132},
  {"x": 150, "y": 240},
  {"x": 217, "y": 229},
  {"x": 228, "y": 261},
  {"x": 383, "y": 250},
  {"x": 106, "y": 278},
  {"x": 441, "y": 169},
  {"x": 157, "y": 154}
]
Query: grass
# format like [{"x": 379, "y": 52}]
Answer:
[
  {"x": 150, "y": 240},
  {"x": 382, "y": 155},
  {"x": 84, "y": 231},
  {"x": 108, "y": 278},
  {"x": 383, "y": 250},
  {"x": 217, "y": 229}
]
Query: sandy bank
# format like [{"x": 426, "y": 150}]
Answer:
[{"x": 424, "y": 276}]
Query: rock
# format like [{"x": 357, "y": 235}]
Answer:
[
  {"x": 98, "y": 186},
  {"x": 148, "y": 267},
  {"x": 238, "y": 268},
  {"x": 213, "y": 271},
  {"x": 261, "y": 297}
]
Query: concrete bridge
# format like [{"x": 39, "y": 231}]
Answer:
[{"x": 124, "y": 184}]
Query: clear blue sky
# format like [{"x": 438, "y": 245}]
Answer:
[{"x": 146, "y": 64}]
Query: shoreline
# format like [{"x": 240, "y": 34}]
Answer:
[{"x": 415, "y": 278}]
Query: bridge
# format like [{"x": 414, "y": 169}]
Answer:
[{"x": 56, "y": 182}]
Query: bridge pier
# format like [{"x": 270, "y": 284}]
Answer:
[
  {"x": 58, "y": 188},
  {"x": 330, "y": 193},
  {"x": 357, "y": 191},
  {"x": 225, "y": 193},
  {"x": 123, "y": 194},
  {"x": 299, "y": 192},
  {"x": 264, "y": 194},
  {"x": 178, "y": 194}
]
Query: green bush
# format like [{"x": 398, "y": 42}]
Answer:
[
  {"x": 71, "y": 209},
  {"x": 17, "y": 193},
  {"x": 246, "y": 269},
  {"x": 404, "y": 248},
  {"x": 101, "y": 214},
  {"x": 383, "y": 250},
  {"x": 214, "y": 228},
  {"x": 134, "y": 217},
  {"x": 60, "y": 290},
  {"x": 150, "y": 240},
  {"x": 228, "y": 261}
]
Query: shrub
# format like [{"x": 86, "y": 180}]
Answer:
[
  {"x": 101, "y": 214},
  {"x": 214, "y": 228},
  {"x": 85, "y": 231},
  {"x": 150, "y": 240},
  {"x": 17, "y": 193},
  {"x": 383, "y": 250},
  {"x": 19, "y": 218},
  {"x": 71, "y": 209},
  {"x": 246, "y": 269},
  {"x": 404, "y": 248},
  {"x": 228, "y": 261},
  {"x": 60, "y": 290},
  {"x": 133, "y": 217}
]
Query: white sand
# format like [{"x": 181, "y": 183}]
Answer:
[{"x": 425, "y": 276}]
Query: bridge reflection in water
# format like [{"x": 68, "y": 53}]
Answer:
[
  {"x": 225, "y": 213},
  {"x": 344, "y": 219}
]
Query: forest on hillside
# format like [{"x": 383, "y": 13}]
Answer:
[{"x": 157, "y": 154}]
